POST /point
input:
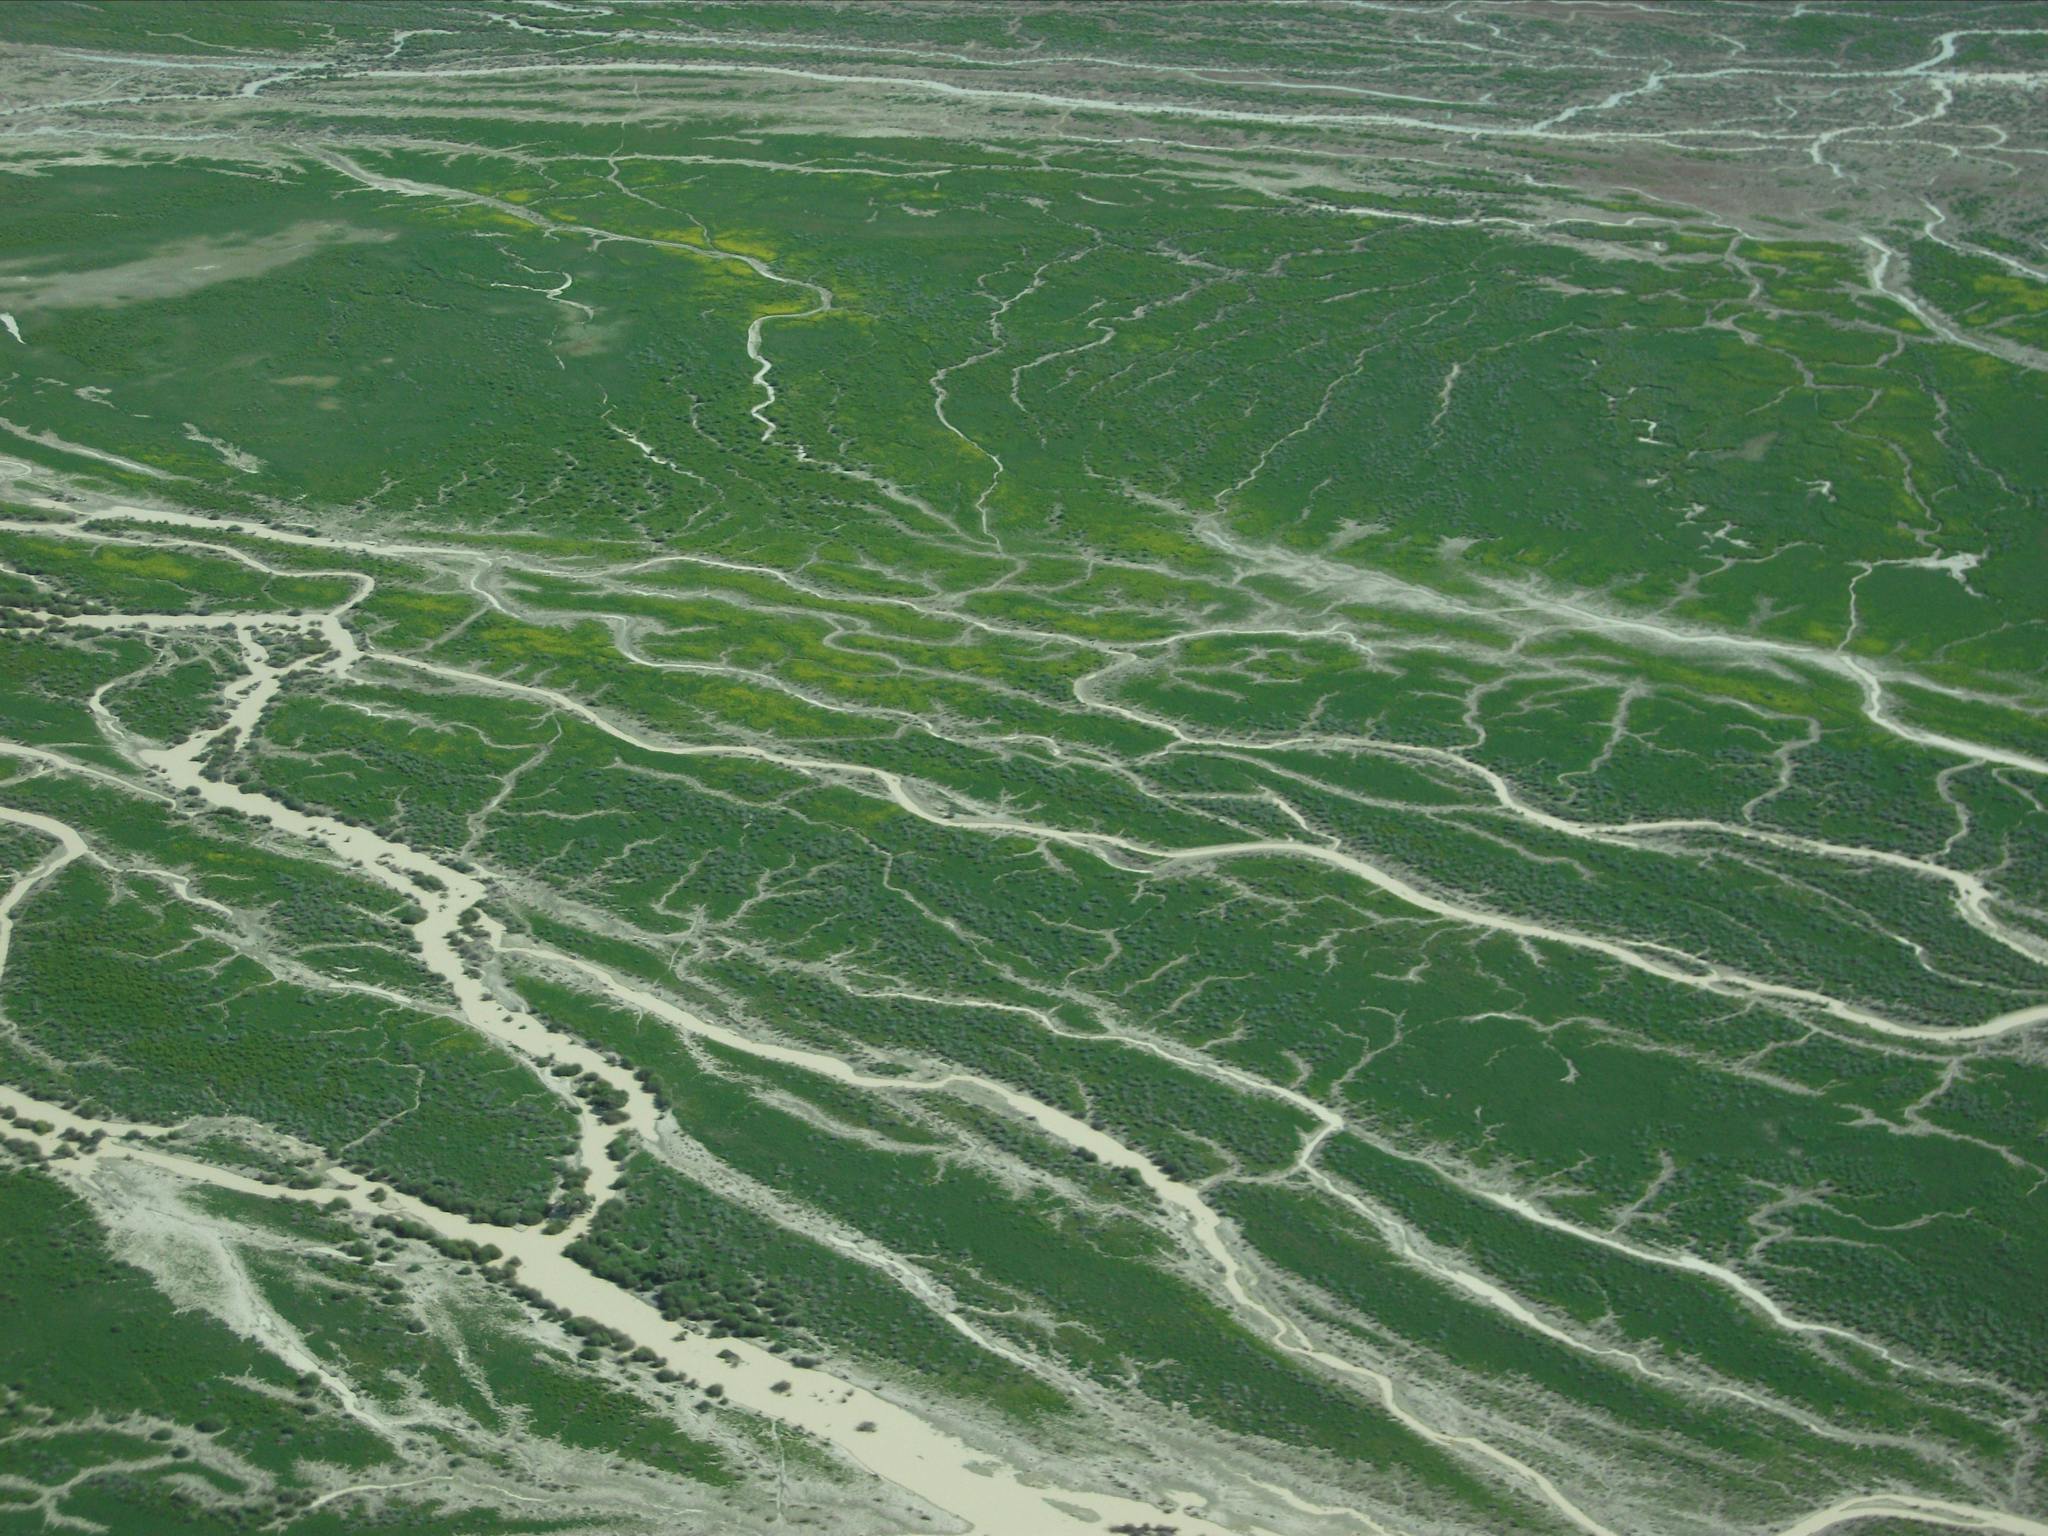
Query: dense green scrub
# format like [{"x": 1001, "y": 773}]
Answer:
[{"x": 1323, "y": 736}]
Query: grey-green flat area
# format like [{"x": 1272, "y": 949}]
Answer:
[{"x": 1026, "y": 769}]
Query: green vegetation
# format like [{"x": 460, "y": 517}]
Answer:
[{"x": 1299, "y": 743}]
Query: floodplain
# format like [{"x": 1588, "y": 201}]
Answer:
[{"x": 1032, "y": 770}]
